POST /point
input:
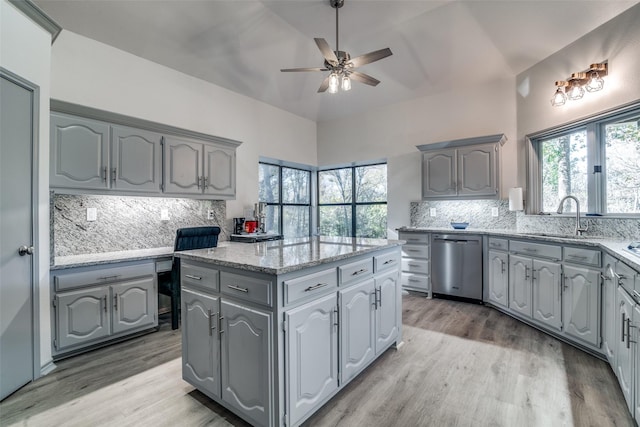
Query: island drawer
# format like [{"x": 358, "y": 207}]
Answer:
[
  {"x": 499, "y": 244},
  {"x": 582, "y": 256},
  {"x": 415, "y": 266},
  {"x": 310, "y": 286},
  {"x": 537, "y": 250},
  {"x": 386, "y": 261},
  {"x": 246, "y": 287},
  {"x": 200, "y": 276},
  {"x": 415, "y": 251},
  {"x": 350, "y": 273},
  {"x": 414, "y": 238},
  {"x": 116, "y": 273},
  {"x": 164, "y": 265},
  {"x": 415, "y": 281}
]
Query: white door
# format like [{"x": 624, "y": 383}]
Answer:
[{"x": 16, "y": 230}]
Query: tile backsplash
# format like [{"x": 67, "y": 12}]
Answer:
[
  {"x": 478, "y": 214},
  {"x": 125, "y": 222}
]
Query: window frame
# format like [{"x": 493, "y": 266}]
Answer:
[
  {"x": 280, "y": 205},
  {"x": 595, "y": 126},
  {"x": 354, "y": 204}
]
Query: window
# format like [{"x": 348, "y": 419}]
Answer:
[
  {"x": 597, "y": 161},
  {"x": 287, "y": 192},
  {"x": 353, "y": 201}
]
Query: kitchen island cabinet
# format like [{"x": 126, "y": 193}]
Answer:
[{"x": 273, "y": 330}]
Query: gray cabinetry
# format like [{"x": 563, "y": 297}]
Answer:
[
  {"x": 416, "y": 269},
  {"x": 136, "y": 160},
  {"x": 609, "y": 287},
  {"x": 96, "y": 304},
  {"x": 498, "y": 273},
  {"x": 79, "y": 153},
  {"x": 192, "y": 167},
  {"x": 386, "y": 304},
  {"x": 636, "y": 331},
  {"x": 581, "y": 302},
  {"x": 466, "y": 168},
  {"x": 625, "y": 363},
  {"x": 546, "y": 279},
  {"x": 520, "y": 285},
  {"x": 311, "y": 355}
]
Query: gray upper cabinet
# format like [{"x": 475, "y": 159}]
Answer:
[
  {"x": 219, "y": 171},
  {"x": 136, "y": 157},
  {"x": 79, "y": 153},
  {"x": 464, "y": 168}
]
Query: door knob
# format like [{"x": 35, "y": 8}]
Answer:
[{"x": 25, "y": 250}]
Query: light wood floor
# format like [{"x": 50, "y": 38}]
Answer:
[{"x": 461, "y": 365}]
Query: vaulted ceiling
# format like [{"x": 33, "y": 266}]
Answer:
[{"x": 241, "y": 45}]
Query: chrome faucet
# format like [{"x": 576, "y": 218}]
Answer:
[{"x": 578, "y": 230}]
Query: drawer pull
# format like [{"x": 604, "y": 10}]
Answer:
[
  {"x": 636, "y": 293},
  {"x": 414, "y": 280},
  {"x": 577, "y": 256},
  {"x": 109, "y": 277},
  {"x": 530, "y": 250},
  {"x": 413, "y": 265},
  {"x": 412, "y": 250},
  {"x": 191, "y": 276},
  {"x": 238, "y": 288},
  {"x": 389, "y": 261},
  {"x": 314, "y": 287},
  {"x": 362, "y": 270}
]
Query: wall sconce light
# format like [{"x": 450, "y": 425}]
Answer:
[{"x": 574, "y": 87}]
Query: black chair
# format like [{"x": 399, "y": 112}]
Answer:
[{"x": 169, "y": 282}]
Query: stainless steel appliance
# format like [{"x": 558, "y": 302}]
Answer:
[
  {"x": 456, "y": 268},
  {"x": 238, "y": 225}
]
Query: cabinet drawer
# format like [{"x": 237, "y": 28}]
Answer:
[
  {"x": 582, "y": 256},
  {"x": 164, "y": 265},
  {"x": 415, "y": 281},
  {"x": 350, "y": 273},
  {"x": 415, "y": 251},
  {"x": 246, "y": 287},
  {"x": 415, "y": 266},
  {"x": 310, "y": 286},
  {"x": 499, "y": 244},
  {"x": 75, "y": 279},
  {"x": 627, "y": 277},
  {"x": 537, "y": 250},
  {"x": 413, "y": 238},
  {"x": 386, "y": 261},
  {"x": 200, "y": 276}
]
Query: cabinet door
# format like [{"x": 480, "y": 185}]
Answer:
[
  {"x": 581, "y": 304},
  {"x": 439, "y": 174},
  {"x": 200, "y": 345},
  {"x": 520, "y": 285},
  {"x": 545, "y": 284},
  {"x": 82, "y": 316},
  {"x": 311, "y": 356},
  {"x": 609, "y": 337},
  {"x": 386, "y": 310},
  {"x": 245, "y": 339},
  {"x": 182, "y": 167},
  {"x": 134, "y": 304},
  {"x": 357, "y": 328},
  {"x": 636, "y": 357},
  {"x": 79, "y": 153},
  {"x": 625, "y": 363},
  {"x": 136, "y": 160},
  {"x": 477, "y": 171},
  {"x": 219, "y": 171},
  {"x": 499, "y": 278}
]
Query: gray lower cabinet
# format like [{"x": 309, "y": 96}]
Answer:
[
  {"x": 93, "y": 305},
  {"x": 546, "y": 279},
  {"x": 520, "y": 285},
  {"x": 311, "y": 355},
  {"x": 609, "y": 287},
  {"x": 636, "y": 357},
  {"x": 581, "y": 304},
  {"x": 386, "y": 304},
  {"x": 625, "y": 362},
  {"x": 499, "y": 278},
  {"x": 416, "y": 269}
]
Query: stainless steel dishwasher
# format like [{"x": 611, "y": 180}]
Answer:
[{"x": 456, "y": 268}]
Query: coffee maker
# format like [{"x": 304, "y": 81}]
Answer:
[{"x": 238, "y": 225}]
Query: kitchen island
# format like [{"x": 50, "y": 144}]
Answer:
[{"x": 273, "y": 330}]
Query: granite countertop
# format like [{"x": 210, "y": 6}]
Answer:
[
  {"x": 284, "y": 256},
  {"x": 615, "y": 247},
  {"x": 85, "y": 260}
]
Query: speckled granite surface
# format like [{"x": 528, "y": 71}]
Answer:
[
  {"x": 284, "y": 256},
  {"x": 85, "y": 260},
  {"x": 125, "y": 223}
]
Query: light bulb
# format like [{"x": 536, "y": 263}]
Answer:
[
  {"x": 595, "y": 83},
  {"x": 575, "y": 92},
  {"x": 559, "y": 98},
  {"x": 346, "y": 83},
  {"x": 333, "y": 83}
]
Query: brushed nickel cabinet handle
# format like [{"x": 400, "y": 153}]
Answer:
[
  {"x": 623, "y": 322},
  {"x": 115, "y": 302},
  {"x": 104, "y": 174},
  {"x": 220, "y": 331},
  {"x": 362, "y": 270},
  {"x": 238, "y": 288},
  {"x": 314, "y": 287},
  {"x": 114, "y": 174},
  {"x": 105, "y": 303},
  {"x": 191, "y": 276},
  {"x": 389, "y": 261}
]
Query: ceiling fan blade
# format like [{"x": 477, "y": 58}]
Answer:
[
  {"x": 286, "y": 70},
  {"x": 328, "y": 54},
  {"x": 363, "y": 78},
  {"x": 324, "y": 85},
  {"x": 370, "y": 57}
]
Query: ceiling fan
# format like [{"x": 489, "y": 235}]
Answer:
[{"x": 340, "y": 63}]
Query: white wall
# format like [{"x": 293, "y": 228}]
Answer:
[
  {"x": 26, "y": 51},
  {"x": 617, "y": 41},
  {"x": 93, "y": 74},
  {"x": 393, "y": 132}
]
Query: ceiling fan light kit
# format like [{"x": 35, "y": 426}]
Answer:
[{"x": 340, "y": 64}]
